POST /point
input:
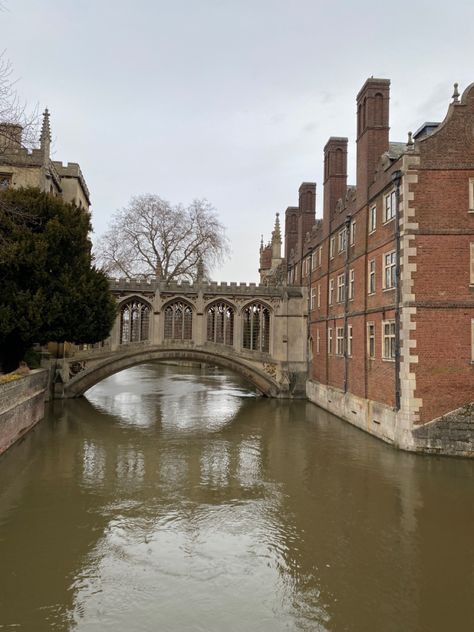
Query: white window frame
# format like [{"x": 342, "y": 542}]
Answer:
[
  {"x": 471, "y": 195},
  {"x": 372, "y": 219},
  {"x": 371, "y": 274},
  {"x": 352, "y": 233},
  {"x": 313, "y": 296},
  {"x": 340, "y": 341},
  {"x": 389, "y": 206},
  {"x": 349, "y": 341},
  {"x": 320, "y": 255},
  {"x": 313, "y": 259},
  {"x": 371, "y": 340},
  {"x": 392, "y": 266},
  {"x": 319, "y": 296},
  {"x": 332, "y": 246},
  {"x": 351, "y": 284},
  {"x": 342, "y": 240},
  {"x": 341, "y": 289},
  {"x": 391, "y": 337},
  {"x": 331, "y": 291},
  {"x": 329, "y": 340}
]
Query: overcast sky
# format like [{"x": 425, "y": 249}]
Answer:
[{"x": 231, "y": 100}]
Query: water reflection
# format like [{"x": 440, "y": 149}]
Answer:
[{"x": 173, "y": 500}]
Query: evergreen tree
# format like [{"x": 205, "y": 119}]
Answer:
[{"x": 50, "y": 290}]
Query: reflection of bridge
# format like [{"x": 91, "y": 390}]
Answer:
[{"x": 258, "y": 331}]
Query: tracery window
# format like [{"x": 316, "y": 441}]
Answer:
[
  {"x": 220, "y": 323},
  {"x": 134, "y": 321},
  {"x": 256, "y": 324},
  {"x": 178, "y": 321}
]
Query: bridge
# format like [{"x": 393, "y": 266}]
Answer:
[{"x": 258, "y": 331}]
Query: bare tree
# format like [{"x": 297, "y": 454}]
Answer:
[
  {"x": 152, "y": 238},
  {"x": 18, "y": 123}
]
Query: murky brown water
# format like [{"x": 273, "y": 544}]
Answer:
[{"x": 174, "y": 500}]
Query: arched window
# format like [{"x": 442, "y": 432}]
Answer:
[
  {"x": 220, "y": 323},
  {"x": 134, "y": 321},
  {"x": 256, "y": 323},
  {"x": 178, "y": 321}
]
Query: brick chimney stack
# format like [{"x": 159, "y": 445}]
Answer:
[
  {"x": 335, "y": 177},
  {"x": 372, "y": 132}
]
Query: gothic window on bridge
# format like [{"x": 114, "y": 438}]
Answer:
[
  {"x": 220, "y": 323},
  {"x": 256, "y": 322},
  {"x": 134, "y": 322},
  {"x": 178, "y": 321}
]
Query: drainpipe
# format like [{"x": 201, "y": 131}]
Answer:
[
  {"x": 396, "y": 179},
  {"x": 346, "y": 301}
]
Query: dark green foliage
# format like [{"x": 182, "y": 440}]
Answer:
[{"x": 49, "y": 289}]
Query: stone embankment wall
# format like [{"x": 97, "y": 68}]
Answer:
[{"x": 21, "y": 406}]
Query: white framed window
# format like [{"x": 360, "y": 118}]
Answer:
[
  {"x": 331, "y": 291},
  {"x": 389, "y": 207},
  {"x": 371, "y": 283},
  {"x": 320, "y": 255},
  {"x": 471, "y": 195},
  {"x": 330, "y": 341},
  {"x": 340, "y": 288},
  {"x": 372, "y": 219},
  {"x": 332, "y": 245},
  {"x": 313, "y": 259},
  {"x": 352, "y": 234},
  {"x": 471, "y": 277},
  {"x": 349, "y": 340},
  {"x": 342, "y": 240},
  {"x": 389, "y": 269},
  {"x": 388, "y": 339},
  {"x": 351, "y": 284},
  {"x": 319, "y": 296},
  {"x": 317, "y": 341},
  {"x": 371, "y": 340},
  {"x": 313, "y": 297},
  {"x": 339, "y": 341}
]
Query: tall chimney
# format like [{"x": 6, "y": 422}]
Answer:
[
  {"x": 335, "y": 177},
  {"x": 372, "y": 132}
]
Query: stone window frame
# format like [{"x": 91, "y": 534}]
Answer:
[
  {"x": 371, "y": 340},
  {"x": 329, "y": 340},
  {"x": 393, "y": 269},
  {"x": 371, "y": 275},
  {"x": 339, "y": 341},
  {"x": 331, "y": 291},
  {"x": 341, "y": 288},
  {"x": 372, "y": 219},
  {"x": 352, "y": 233},
  {"x": 471, "y": 195},
  {"x": 389, "y": 206},
  {"x": 319, "y": 296},
  {"x": 390, "y": 338},
  {"x": 332, "y": 247},
  {"x": 318, "y": 341},
  {"x": 351, "y": 284},
  {"x": 312, "y": 299},
  {"x": 349, "y": 341},
  {"x": 342, "y": 240}
]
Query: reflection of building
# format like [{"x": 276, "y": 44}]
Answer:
[
  {"x": 390, "y": 273},
  {"x": 22, "y": 168}
]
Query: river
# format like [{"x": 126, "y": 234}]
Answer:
[{"x": 174, "y": 499}]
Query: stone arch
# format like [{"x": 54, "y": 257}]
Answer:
[
  {"x": 256, "y": 323},
  {"x": 178, "y": 319},
  {"x": 220, "y": 318},
  {"x": 87, "y": 378},
  {"x": 134, "y": 319}
]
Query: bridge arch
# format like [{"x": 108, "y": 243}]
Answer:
[{"x": 89, "y": 377}]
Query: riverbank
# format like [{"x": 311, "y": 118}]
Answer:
[{"x": 21, "y": 406}]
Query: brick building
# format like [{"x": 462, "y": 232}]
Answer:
[{"x": 390, "y": 275}]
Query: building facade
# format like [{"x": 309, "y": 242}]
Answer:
[
  {"x": 20, "y": 167},
  {"x": 390, "y": 273}
]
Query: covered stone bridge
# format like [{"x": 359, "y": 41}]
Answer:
[{"x": 258, "y": 331}]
